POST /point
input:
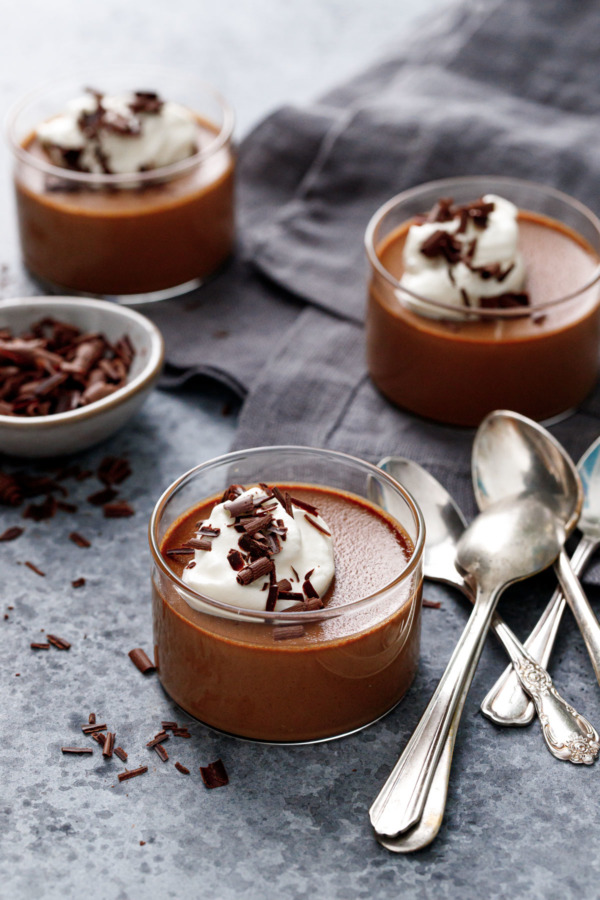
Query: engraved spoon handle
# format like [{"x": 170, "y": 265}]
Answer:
[
  {"x": 580, "y": 607},
  {"x": 400, "y": 803},
  {"x": 568, "y": 735},
  {"x": 506, "y": 703}
]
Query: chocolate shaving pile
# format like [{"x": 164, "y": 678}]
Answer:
[
  {"x": 443, "y": 244},
  {"x": 54, "y": 368}
]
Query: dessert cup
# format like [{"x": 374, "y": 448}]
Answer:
[
  {"x": 353, "y": 662},
  {"x": 131, "y": 237},
  {"x": 540, "y": 360}
]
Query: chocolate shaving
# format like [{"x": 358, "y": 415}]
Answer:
[
  {"x": 254, "y": 570},
  {"x": 167, "y": 726},
  {"x": 179, "y": 551},
  {"x": 79, "y": 582},
  {"x": 113, "y": 470},
  {"x": 257, "y": 523},
  {"x": 101, "y": 497},
  {"x": 307, "y": 507},
  {"x": 79, "y": 751},
  {"x": 284, "y": 585},
  {"x": 147, "y": 102},
  {"x": 199, "y": 543},
  {"x": 309, "y": 590},
  {"x": 121, "y": 754},
  {"x": 132, "y": 773},
  {"x": 35, "y": 569},
  {"x": 66, "y": 507},
  {"x": 92, "y": 729},
  {"x": 505, "y": 301},
  {"x": 79, "y": 539},
  {"x": 292, "y": 595},
  {"x": 287, "y": 632},
  {"x": 181, "y": 732},
  {"x": 121, "y": 509},
  {"x": 11, "y": 534},
  {"x": 272, "y": 598},
  {"x": 160, "y": 751},
  {"x": 214, "y": 774},
  {"x": 240, "y": 506},
  {"x": 58, "y": 642},
  {"x": 209, "y": 531},
  {"x": 442, "y": 243},
  {"x": 141, "y": 660},
  {"x": 316, "y": 525},
  {"x": 295, "y": 574},
  {"x": 158, "y": 739},
  {"x": 92, "y": 719},
  {"x": 235, "y": 560},
  {"x": 182, "y": 769},
  {"x": 109, "y": 744},
  {"x": 41, "y": 511},
  {"x": 39, "y": 646},
  {"x": 232, "y": 492},
  {"x": 431, "y": 604}
]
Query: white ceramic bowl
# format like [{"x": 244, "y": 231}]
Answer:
[{"x": 69, "y": 432}]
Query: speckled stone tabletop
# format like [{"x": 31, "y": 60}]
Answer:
[{"x": 293, "y": 822}]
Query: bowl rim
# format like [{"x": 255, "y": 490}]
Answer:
[
  {"x": 142, "y": 381},
  {"x": 444, "y": 185},
  {"x": 222, "y": 138},
  {"x": 286, "y": 616}
]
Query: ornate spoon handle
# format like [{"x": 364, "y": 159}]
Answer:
[
  {"x": 568, "y": 734},
  {"x": 506, "y": 703}
]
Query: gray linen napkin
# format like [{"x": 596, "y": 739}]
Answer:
[{"x": 505, "y": 87}]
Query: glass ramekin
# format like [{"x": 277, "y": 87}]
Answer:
[
  {"x": 353, "y": 663},
  {"x": 133, "y": 238},
  {"x": 540, "y": 360}
]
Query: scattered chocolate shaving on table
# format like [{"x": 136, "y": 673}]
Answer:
[
  {"x": 105, "y": 495},
  {"x": 121, "y": 509},
  {"x": 182, "y": 769},
  {"x": 141, "y": 660},
  {"x": 161, "y": 752},
  {"x": 158, "y": 739},
  {"x": 118, "y": 751},
  {"x": 98, "y": 737},
  {"x": 79, "y": 539},
  {"x": 132, "y": 773},
  {"x": 92, "y": 719},
  {"x": 39, "y": 646},
  {"x": 113, "y": 470},
  {"x": 11, "y": 534},
  {"x": 167, "y": 726},
  {"x": 91, "y": 729},
  {"x": 35, "y": 569},
  {"x": 79, "y": 582},
  {"x": 214, "y": 774},
  {"x": 109, "y": 744},
  {"x": 80, "y": 751},
  {"x": 54, "y": 368},
  {"x": 11, "y": 493},
  {"x": 41, "y": 511},
  {"x": 181, "y": 732},
  {"x": 432, "y": 604},
  {"x": 58, "y": 642}
]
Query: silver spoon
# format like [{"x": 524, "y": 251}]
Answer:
[
  {"x": 513, "y": 539},
  {"x": 506, "y": 704},
  {"x": 445, "y": 524},
  {"x": 513, "y": 454}
]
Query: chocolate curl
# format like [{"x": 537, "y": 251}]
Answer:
[
  {"x": 255, "y": 570},
  {"x": 240, "y": 506}
]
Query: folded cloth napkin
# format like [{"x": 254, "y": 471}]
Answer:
[{"x": 501, "y": 87}]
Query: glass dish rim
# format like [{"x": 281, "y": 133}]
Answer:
[
  {"x": 262, "y": 616},
  {"x": 223, "y": 136},
  {"x": 446, "y": 183}
]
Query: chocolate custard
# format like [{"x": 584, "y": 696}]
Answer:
[
  {"x": 340, "y": 674},
  {"x": 150, "y": 236},
  {"x": 539, "y": 362}
]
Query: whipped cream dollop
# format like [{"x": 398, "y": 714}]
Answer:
[
  {"x": 121, "y": 134},
  {"x": 261, "y": 549},
  {"x": 465, "y": 257}
]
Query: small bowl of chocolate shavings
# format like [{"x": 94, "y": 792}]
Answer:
[{"x": 72, "y": 372}]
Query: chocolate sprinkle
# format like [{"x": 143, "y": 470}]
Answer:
[
  {"x": 39, "y": 646},
  {"x": 307, "y": 507},
  {"x": 78, "y": 751},
  {"x": 214, "y": 774},
  {"x": 11, "y": 534},
  {"x": 316, "y": 525},
  {"x": 141, "y": 660},
  {"x": 79, "y": 539},
  {"x": 35, "y": 569},
  {"x": 58, "y": 642},
  {"x": 132, "y": 773}
]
